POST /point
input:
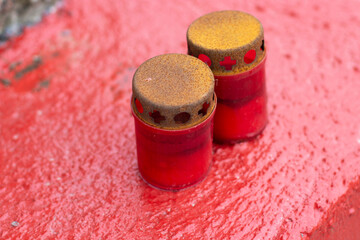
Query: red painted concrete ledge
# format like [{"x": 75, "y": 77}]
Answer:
[{"x": 67, "y": 148}]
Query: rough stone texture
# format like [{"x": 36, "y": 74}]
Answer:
[{"x": 67, "y": 147}]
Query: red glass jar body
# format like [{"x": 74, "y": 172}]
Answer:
[
  {"x": 174, "y": 159},
  {"x": 241, "y": 108}
]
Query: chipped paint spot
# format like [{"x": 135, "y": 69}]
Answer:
[{"x": 15, "y": 224}]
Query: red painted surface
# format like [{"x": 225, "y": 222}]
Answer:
[
  {"x": 342, "y": 219},
  {"x": 67, "y": 147},
  {"x": 241, "y": 113},
  {"x": 174, "y": 159}
]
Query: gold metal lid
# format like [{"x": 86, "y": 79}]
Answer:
[
  {"x": 230, "y": 42},
  {"x": 173, "y": 91}
]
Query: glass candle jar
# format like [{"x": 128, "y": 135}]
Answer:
[
  {"x": 232, "y": 44},
  {"x": 173, "y": 105}
]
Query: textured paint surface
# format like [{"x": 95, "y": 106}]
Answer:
[{"x": 67, "y": 147}]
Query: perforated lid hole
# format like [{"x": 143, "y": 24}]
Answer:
[
  {"x": 250, "y": 56},
  {"x": 182, "y": 117},
  {"x": 139, "y": 106},
  {"x": 156, "y": 116},
  {"x": 204, "y": 109},
  {"x": 228, "y": 63},
  {"x": 205, "y": 59}
]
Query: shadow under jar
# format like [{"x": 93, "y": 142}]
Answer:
[
  {"x": 173, "y": 105},
  {"x": 232, "y": 44}
]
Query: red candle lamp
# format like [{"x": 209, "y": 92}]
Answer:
[
  {"x": 231, "y": 43},
  {"x": 173, "y": 105}
]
